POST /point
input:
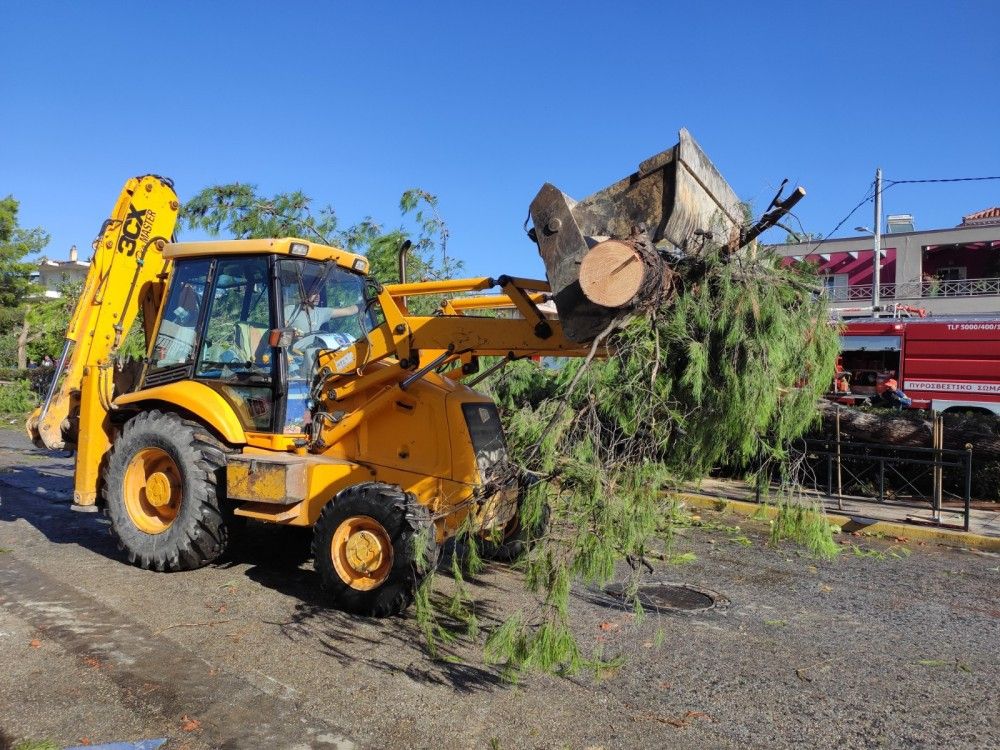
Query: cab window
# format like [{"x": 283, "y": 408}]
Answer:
[
  {"x": 325, "y": 307},
  {"x": 235, "y": 350},
  {"x": 177, "y": 335}
]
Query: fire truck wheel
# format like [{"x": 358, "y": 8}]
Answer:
[
  {"x": 162, "y": 492},
  {"x": 373, "y": 544},
  {"x": 516, "y": 538}
]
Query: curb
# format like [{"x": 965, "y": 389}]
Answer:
[{"x": 866, "y": 526}]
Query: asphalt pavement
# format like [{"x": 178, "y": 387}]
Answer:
[{"x": 891, "y": 645}]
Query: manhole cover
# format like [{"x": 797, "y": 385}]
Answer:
[{"x": 675, "y": 597}]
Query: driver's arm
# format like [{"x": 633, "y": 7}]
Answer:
[{"x": 344, "y": 312}]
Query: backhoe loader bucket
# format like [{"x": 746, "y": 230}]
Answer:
[{"x": 678, "y": 198}]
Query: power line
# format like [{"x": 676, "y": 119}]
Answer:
[
  {"x": 869, "y": 194},
  {"x": 890, "y": 183}
]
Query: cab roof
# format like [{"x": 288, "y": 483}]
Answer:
[{"x": 292, "y": 246}]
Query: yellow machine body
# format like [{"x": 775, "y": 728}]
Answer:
[
  {"x": 281, "y": 383},
  {"x": 389, "y": 407}
]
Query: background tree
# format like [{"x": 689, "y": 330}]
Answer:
[
  {"x": 797, "y": 238},
  {"x": 47, "y": 321},
  {"x": 16, "y": 243},
  {"x": 239, "y": 210}
]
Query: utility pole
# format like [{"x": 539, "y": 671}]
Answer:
[{"x": 877, "y": 254}]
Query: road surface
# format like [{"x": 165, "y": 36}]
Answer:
[{"x": 889, "y": 648}]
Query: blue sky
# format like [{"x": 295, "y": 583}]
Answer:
[{"x": 482, "y": 103}]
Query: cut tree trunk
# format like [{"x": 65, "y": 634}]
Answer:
[
  {"x": 909, "y": 430},
  {"x": 625, "y": 274}
]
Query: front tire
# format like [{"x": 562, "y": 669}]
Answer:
[
  {"x": 373, "y": 544},
  {"x": 516, "y": 538},
  {"x": 162, "y": 491}
]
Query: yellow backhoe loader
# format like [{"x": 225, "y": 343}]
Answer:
[{"x": 281, "y": 383}]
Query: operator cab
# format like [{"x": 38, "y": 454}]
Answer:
[{"x": 229, "y": 303}]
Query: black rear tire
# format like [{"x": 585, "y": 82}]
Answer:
[
  {"x": 406, "y": 525},
  {"x": 197, "y": 534}
]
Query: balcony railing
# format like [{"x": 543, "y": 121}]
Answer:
[{"x": 917, "y": 290}]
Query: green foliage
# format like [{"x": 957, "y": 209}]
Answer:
[
  {"x": 238, "y": 210},
  {"x": 806, "y": 525},
  {"x": 794, "y": 238},
  {"x": 40, "y": 328},
  {"x": 727, "y": 374},
  {"x": 525, "y": 384},
  {"x": 133, "y": 345},
  {"x": 38, "y": 377},
  {"x": 48, "y": 320},
  {"x": 17, "y": 398},
  {"x": 549, "y": 647},
  {"x": 36, "y": 745},
  {"x": 15, "y": 244}
]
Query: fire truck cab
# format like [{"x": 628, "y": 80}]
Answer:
[{"x": 943, "y": 363}]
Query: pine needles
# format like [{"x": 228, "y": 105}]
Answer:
[
  {"x": 725, "y": 375},
  {"x": 806, "y": 525}
]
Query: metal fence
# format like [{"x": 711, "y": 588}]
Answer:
[
  {"x": 917, "y": 290},
  {"x": 880, "y": 472}
]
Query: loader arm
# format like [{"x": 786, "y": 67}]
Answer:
[
  {"x": 127, "y": 273},
  {"x": 354, "y": 383},
  {"x": 456, "y": 334}
]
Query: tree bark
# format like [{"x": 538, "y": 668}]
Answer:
[{"x": 22, "y": 344}]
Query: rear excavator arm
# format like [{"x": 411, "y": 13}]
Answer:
[{"x": 127, "y": 273}]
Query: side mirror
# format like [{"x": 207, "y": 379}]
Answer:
[{"x": 281, "y": 338}]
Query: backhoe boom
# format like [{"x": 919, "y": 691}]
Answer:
[{"x": 127, "y": 272}]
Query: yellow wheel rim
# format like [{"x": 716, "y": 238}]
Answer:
[
  {"x": 362, "y": 552},
  {"x": 152, "y": 490}
]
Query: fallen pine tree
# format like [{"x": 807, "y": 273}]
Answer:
[
  {"x": 913, "y": 429},
  {"x": 710, "y": 373}
]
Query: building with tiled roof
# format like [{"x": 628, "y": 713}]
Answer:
[{"x": 981, "y": 218}]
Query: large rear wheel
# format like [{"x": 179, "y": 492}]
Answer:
[
  {"x": 373, "y": 544},
  {"x": 162, "y": 491}
]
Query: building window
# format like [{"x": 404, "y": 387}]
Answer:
[
  {"x": 835, "y": 286},
  {"x": 951, "y": 273}
]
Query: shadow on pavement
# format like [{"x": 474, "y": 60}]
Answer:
[
  {"x": 54, "y": 518},
  {"x": 275, "y": 557}
]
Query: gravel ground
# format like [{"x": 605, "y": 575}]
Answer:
[{"x": 895, "y": 647}]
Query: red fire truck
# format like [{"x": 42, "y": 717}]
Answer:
[{"x": 941, "y": 363}]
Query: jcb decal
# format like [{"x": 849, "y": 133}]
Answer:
[{"x": 135, "y": 229}]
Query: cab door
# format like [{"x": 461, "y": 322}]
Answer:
[{"x": 235, "y": 356}]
